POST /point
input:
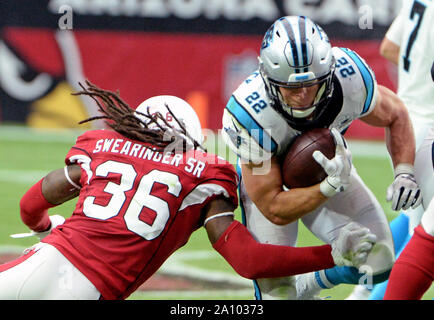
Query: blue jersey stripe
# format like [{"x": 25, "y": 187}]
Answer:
[
  {"x": 258, "y": 294},
  {"x": 368, "y": 79},
  {"x": 251, "y": 125}
]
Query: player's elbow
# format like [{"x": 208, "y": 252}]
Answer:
[
  {"x": 275, "y": 219},
  {"x": 389, "y": 50},
  {"x": 275, "y": 215},
  {"x": 275, "y": 207},
  {"x": 399, "y": 113},
  {"x": 384, "y": 50}
]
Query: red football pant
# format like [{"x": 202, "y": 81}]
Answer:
[{"x": 413, "y": 272}]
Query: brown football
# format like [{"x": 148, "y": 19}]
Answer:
[{"x": 299, "y": 168}]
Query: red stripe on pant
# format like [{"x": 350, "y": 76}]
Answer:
[{"x": 17, "y": 261}]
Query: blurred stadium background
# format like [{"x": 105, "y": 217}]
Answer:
[{"x": 199, "y": 50}]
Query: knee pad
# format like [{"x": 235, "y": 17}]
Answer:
[
  {"x": 380, "y": 261},
  {"x": 275, "y": 289}
]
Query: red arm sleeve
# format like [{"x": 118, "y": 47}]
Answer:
[
  {"x": 254, "y": 260},
  {"x": 33, "y": 205},
  {"x": 34, "y": 208}
]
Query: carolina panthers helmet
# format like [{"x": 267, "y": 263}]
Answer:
[
  {"x": 180, "y": 108},
  {"x": 295, "y": 53}
]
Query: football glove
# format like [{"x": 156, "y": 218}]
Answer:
[
  {"x": 404, "y": 192},
  {"x": 352, "y": 246},
  {"x": 337, "y": 169}
]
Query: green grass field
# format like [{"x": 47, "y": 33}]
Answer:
[{"x": 27, "y": 155}]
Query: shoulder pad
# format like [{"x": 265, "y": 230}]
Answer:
[{"x": 357, "y": 79}]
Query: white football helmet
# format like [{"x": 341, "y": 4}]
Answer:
[
  {"x": 296, "y": 52},
  {"x": 180, "y": 108}
]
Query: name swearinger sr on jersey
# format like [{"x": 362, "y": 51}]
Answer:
[{"x": 137, "y": 150}]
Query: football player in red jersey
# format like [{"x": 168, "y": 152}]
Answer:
[{"x": 143, "y": 188}]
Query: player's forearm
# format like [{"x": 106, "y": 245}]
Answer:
[
  {"x": 400, "y": 139},
  {"x": 34, "y": 208},
  {"x": 391, "y": 113},
  {"x": 279, "y": 206},
  {"x": 56, "y": 187},
  {"x": 246, "y": 255},
  {"x": 288, "y": 206}
]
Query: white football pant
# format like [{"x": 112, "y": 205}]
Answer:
[
  {"x": 424, "y": 168},
  {"x": 44, "y": 273},
  {"x": 421, "y": 132}
]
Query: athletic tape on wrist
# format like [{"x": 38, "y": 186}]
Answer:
[{"x": 402, "y": 168}]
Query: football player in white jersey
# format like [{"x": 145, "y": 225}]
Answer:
[
  {"x": 409, "y": 43},
  {"x": 406, "y": 45},
  {"x": 413, "y": 272},
  {"x": 402, "y": 45},
  {"x": 304, "y": 83}
]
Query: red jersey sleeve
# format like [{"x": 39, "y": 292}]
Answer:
[
  {"x": 81, "y": 147},
  {"x": 82, "y": 152},
  {"x": 224, "y": 174},
  {"x": 220, "y": 180}
]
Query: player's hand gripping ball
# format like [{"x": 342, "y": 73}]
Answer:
[{"x": 299, "y": 168}]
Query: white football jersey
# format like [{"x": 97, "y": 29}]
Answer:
[
  {"x": 255, "y": 131},
  {"x": 413, "y": 31}
]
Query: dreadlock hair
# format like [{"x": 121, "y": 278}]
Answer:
[{"x": 122, "y": 118}]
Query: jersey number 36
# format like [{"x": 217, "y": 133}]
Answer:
[{"x": 142, "y": 198}]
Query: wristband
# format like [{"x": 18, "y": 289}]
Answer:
[{"x": 404, "y": 168}]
